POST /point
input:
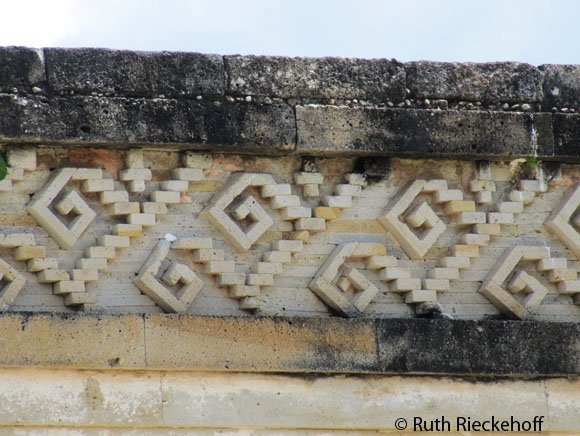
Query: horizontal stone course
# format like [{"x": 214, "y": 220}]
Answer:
[
  {"x": 264, "y": 344},
  {"x": 247, "y": 103}
]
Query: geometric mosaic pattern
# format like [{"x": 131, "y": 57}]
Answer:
[
  {"x": 520, "y": 282},
  {"x": 282, "y": 238},
  {"x": 565, "y": 220},
  {"x": 176, "y": 273},
  {"x": 43, "y": 208},
  {"x": 333, "y": 283},
  {"x": 247, "y": 209},
  {"x": 421, "y": 218}
]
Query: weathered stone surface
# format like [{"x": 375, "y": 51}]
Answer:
[
  {"x": 487, "y": 82},
  {"x": 64, "y": 340},
  {"x": 243, "y": 127},
  {"x": 260, "y": 344},
  {"x": 561, "y": 86},
  {"x": 373, "y": 79},
  {"x": 412, "y": 132},
  {"x": 478, "y": 347},
  {"x": 134, "y": 74},
  {"x": 567, "y": 135},
  {"x": 20, "y": 66}
]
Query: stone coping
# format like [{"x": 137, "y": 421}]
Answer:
[
  {"x": 287, "y": 345},
  {"x": 279, "y": 105}
]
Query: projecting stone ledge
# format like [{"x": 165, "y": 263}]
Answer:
[
  {"x": 219, "y": 126},
  {"x": 422, "y": 133},
  {"x": 262, "y": 344}
]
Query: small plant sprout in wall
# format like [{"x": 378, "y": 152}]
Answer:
[{"x": 3, "y": 167}]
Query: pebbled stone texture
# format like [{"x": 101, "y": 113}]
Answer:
[
  {"x": 224, "y": 126},
  {"x": 567, "y": 135},
  {"x": 134, "y": 74},
  {"x": 486, "y": 82},
  {"x": 20, "y": 66},
  {"x": 373, "y": 79},
  {"x": 342, "y": 130},
  {"x": 478, "y": 347},
  {"x": 561, "y": 86}
]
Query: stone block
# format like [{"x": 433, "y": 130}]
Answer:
[
  {"x": 347, "y": 190},
  {"x": 131, "y": 230},
  {"x": 260, "y": 279},
  {"x": 134, "y": 74},
  {"x": 368, "y": 79},
  {"x": 456, "y": 207},
  {"x": 444, "y": 273},
  {"x": 295, "y": 212},
  {"x": 175, "y": 185},
  {"x": 165, "y": 197},
  {"x": 141, "y": 219},
  {"x": 29, "y": 252},
  {"x": 566, "y": 135},
  {"x": 68, "y": 287},
  {"x": 100, "y": 252},
  {"x": 250, "y": 344},
  {"x": 469, "y": 218},
  {"x": 420, "y": 296},
  {"x": 154, "y": 208},
  {"x": 282, "y": 201},
  {"x": 78, "y": 341},
  {"x": 377, "y": 262},
  {"x": 327, "y": 213},
  {"x": 313, "y": 224},
  {"x": 448, "y": 195},
  {"x": 231, "y": 279},
  {"x": 36, "y": 265},
  {"x": 465, "y": 250},
  {"x": 188, "y": 174},
  {"x": 231, "y": 126},
  {"x": 219, "y": 266},
  {"x": 109, "y": 197},
  {"x": 21, "y": 66},
  {"x": 405, "y": 284},
  {"x": 536, "y": 348},
  {"x": 268, "y": 191},
  {"x": 21, "y": 157},
  {"x": 123, "y": 208},
  {"x": 419, "y": 132},
  {"x": 477, "y": 82},
  {"x": 460, "y": 262},
  {"x": 207, "y": 254},
  {"x": 278, "y": 256},
  {"x": 339, "y": 201},
  {"x": 114, "y": 241},
  {"x": 98, "y": 185},
  {"x": 561, "y": 86}
]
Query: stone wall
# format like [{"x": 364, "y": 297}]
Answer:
[{"x": 268, "y": 202}]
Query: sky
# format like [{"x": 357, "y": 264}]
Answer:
[{"x": 533, "y": 31}]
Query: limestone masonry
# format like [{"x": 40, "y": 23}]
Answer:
[{"x": 285, "y": 190}]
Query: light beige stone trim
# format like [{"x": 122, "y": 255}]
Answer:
[{"x": 192, "y": 400}]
